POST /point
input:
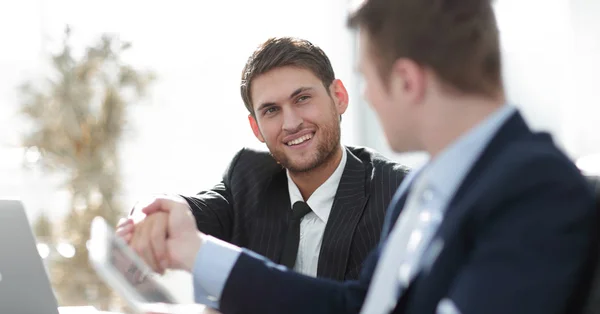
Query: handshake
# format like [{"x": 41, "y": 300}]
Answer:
[{"x": 165, "y": 236}]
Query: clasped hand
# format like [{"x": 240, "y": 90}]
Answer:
[{"x": 165, "y": 236}]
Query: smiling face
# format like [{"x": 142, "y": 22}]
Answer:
[{"x": 297, "y": 117}]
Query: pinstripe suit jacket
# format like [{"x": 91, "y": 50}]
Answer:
[{"x": 251, "y": 206}]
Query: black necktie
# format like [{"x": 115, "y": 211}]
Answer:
[{"x": 292, "y": 239}]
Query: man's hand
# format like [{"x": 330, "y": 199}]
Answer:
[
  {"x": 148, "y": 237},
  {"x": 149, "y": 240},
  {"x": 125, "y": 229},
  {"x": 183, "y": 238},
  {"x": 167, "y": 237}
]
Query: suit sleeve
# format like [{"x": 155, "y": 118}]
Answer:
[
  {"x": 213, "y": 209},
  {"x": 257, "y": 285},
  {"x": 531, "y": 252}
]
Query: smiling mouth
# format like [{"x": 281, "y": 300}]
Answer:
[{"x": 299, "y": 140}]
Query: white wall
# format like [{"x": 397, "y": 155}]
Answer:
[
  {"x": 582, "y": 122},
  {"x": 184, "y": 135},
  {"x": 551, "y": 52}
]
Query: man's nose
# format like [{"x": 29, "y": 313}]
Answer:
[{"x": 291, "y": 121}]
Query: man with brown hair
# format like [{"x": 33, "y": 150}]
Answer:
[
  {"x": 498, "y": 221},
  {"x": 308, "y": 203}
]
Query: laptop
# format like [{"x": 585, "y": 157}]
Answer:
[{"x": 24, "y": 284}]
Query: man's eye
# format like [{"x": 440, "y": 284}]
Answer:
[
  {"x": 303, "y": 98},
  {"x": 270, "y": 110}
]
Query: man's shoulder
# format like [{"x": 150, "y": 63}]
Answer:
[
  {"x": 255, "y": 154},
  {"x": 535, "y": 158},
  {"x": 541, "y": 148},
  {"x": 253, "y": 158},
  {"x": 377, "y": 161}
]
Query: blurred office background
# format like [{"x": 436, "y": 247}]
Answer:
[{"x": 182, "y": 134}]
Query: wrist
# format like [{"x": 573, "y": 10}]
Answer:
[{"x": 194, "y": 247}]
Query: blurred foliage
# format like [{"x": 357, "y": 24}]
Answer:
[{"x": 78, "y": 115}]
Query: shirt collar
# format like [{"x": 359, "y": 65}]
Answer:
[
  {"x": 322, "y": 198},
  {"x": 445, "y": 172}
]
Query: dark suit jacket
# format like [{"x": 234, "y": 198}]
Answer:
[
  {"x": 593, "y": 300},
  {"x": 519, "y": 237},
  {"x": 251, "y": 206}
]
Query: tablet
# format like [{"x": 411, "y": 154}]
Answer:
[{"x": 124, "y": 271}]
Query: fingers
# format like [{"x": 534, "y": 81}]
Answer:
[
  {"x": 125, "y": 229},
  {"x": 123, "y": 221},
  {"x": 165, "y": 203},
  {"x": 158, "y": 240},
  {"x": 158, "y": 205},
  {"x": 141, "y": 242},
  {"x": 153, "y": 202},
  {"x": 148, "y": 235}
]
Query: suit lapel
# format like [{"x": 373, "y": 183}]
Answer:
[
  {"x": 274, "y": 224},
  {"x": 513, "y": 128},
  {"x": 348, "y": 206}
]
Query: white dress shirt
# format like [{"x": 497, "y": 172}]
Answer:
[{"x": 313, "y": 224}]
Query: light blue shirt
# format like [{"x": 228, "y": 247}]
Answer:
[{"x": 445, "y": 173}]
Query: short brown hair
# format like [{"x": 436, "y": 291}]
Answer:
[
  {"x": 457, "y": 39},
  {"x": 280, "y": 52}
]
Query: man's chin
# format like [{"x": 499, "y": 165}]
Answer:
[{"x": 300, "y": 166}]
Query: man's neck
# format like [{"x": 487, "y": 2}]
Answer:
[
  {"x": 450, "y": 120},
  {"x": 307, "y": 182}
]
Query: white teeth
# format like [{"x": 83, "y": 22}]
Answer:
[{"x": 300, "y": 140}]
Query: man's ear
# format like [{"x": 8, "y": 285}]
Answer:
[
  {"x": 255, "y": 129},
  {"x": 409, "y": 78},
  {"x": 338, "y": 91}
]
